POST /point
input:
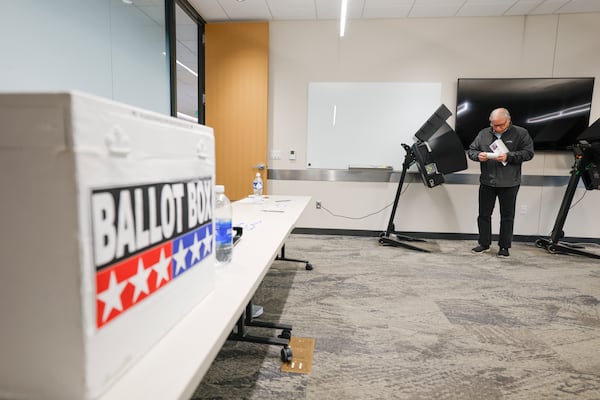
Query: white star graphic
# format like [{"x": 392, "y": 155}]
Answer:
[
  {"x": 195, "y": 249},
  {"x": 140, "y": 280},
  {"x": 179, "y": 257},
  {"x": 162, "y": 268},
  {"x": 207, "y": 241},
  {"x": 111, "y": 297}
]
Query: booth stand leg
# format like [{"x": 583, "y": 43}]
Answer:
[
  {"x": 552, "y": 244},
  {"x": 386, "y": 238}
]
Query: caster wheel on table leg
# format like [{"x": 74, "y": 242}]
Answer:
[
  {"x": 286, "y": 354},
  {"x": 285, "y": 334}
]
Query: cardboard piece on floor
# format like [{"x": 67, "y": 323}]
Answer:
[{"x": 302, "y": 356}]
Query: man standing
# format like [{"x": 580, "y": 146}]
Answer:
[{"x": 500, "y": 151}]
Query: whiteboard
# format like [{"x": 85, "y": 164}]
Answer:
[{"x": 363, "y": 124}]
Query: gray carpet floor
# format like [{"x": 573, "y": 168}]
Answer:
[{"x": 392, "y": 323}]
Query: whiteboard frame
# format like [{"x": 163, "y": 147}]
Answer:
[{"x": 364, "y": 124}]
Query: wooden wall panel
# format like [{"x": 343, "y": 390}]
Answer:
[{"x": 237, "y": 57}]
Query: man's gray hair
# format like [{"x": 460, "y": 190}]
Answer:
[{"x": 500, "y": 112}]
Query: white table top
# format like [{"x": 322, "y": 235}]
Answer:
[{"x": 176, "y": 364}]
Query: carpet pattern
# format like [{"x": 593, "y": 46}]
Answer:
[{"x": 392, "y": 323}]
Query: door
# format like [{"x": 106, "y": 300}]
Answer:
[{"x": 237, "y": 58}]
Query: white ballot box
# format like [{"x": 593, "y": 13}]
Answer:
[{"x": 106, "y": 239}]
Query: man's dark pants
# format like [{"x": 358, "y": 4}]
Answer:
[{"x": 507, "y": 198}]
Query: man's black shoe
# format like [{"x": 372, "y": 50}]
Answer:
[
  {"x": 480, "y": 249},
  {"x": 503, "y": 252}
]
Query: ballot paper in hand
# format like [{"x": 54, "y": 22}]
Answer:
[{"x": 498, "y": 147}]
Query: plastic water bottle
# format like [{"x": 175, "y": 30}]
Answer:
[
  {"x": 257, "y": 186},
  {"x": 223, "y": 227}
]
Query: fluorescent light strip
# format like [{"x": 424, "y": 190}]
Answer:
[
  {"x": 191, "y": 71},
  {"x": 343, "y": 17}
]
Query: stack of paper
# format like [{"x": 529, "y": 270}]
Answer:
[{"x": 498, "y": 147}]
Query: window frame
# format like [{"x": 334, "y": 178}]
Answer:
[{"x": 171, "y": 44}]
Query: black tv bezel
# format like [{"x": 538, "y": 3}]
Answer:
[{"x": 557, "y": 145}]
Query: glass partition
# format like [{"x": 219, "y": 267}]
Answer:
[{"x": 110, "y": 48}]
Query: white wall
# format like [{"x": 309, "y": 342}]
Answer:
[{"x": 427, "y": 50}]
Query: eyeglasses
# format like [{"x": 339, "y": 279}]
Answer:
[{"x": 499, "y": 126}]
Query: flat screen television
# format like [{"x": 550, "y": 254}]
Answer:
[{"x": 554, "y": 110}]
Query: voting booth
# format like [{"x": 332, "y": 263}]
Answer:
[{"x": 107, "y": 238}]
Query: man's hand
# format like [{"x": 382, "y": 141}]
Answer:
[
  {"x": 483, "y": 156},
  {"x": 502, "y": 157}
]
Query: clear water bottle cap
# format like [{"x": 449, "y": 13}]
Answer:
[{"x": 219, "y": 189}]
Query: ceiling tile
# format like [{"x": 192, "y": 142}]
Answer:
[
  {"x": 328, "y": 9},
  {"x": 549, "y": 7},
  {"x": 387, "y": 8},
  {"x": 523, "y": 7},
  {"x": 209, "y": 10},
  {"x": 355, "y": 8},
  {"x": 578, "y": 6},
  {"x": 484, "y": 8},
  {"x": 435, "y": 8},
  {"x": 233, "y": 10},
  {"x": 331, "y": 9},
  {"x": 292, "y": 9},
  {"x": 246, "y": 10}
]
